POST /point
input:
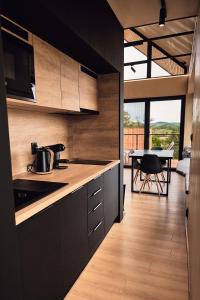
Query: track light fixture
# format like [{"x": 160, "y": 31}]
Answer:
[
  {"x": 134, "y": 70},
  {"x": 163, "y": 13}
]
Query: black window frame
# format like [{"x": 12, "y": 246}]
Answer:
[{"x": 147, "y": 102}]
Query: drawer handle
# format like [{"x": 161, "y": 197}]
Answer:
[
  {"x": 97, "y": 206},
  {"x": 95, "y": 229},
  {"x": 95, "y": 193}
]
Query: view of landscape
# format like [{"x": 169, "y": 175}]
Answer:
[{"x": 164, "y": 125}]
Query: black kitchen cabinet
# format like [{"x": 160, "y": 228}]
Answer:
[
  {"x": 40, "y": 255},
  {"x": 74, "y": 240},
  {"x": 111, "y": 197},
  {"x": 56, "y": 244}
]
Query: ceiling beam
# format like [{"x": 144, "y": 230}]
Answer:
[
  {"x": 171, "y": 35},
  {"x": 135, "y": 43},
  {"x": 153, "y": 59},
  {"x": 160, "y": 49},
  {"x": 140, "y": 42}
]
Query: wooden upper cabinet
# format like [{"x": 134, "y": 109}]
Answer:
[
  {"x": 69, "y": 83},
  {"x": 88, "y": 91},
  {"x": 47, "y": 74}
]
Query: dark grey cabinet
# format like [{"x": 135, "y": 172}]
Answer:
[
  {"x": 74, "y": 242},
  {"x": 40, "y": 255},
  {"x": 95, "y": 214},
  {"x": 56, "y": 244},
  {"x": 111, "y": 197}
]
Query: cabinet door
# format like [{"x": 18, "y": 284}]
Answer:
[
  {"x": 47, "y": 74},
  {"x": 69, "y": 83},
  {"x": 111, "y": 197},
  {"x": 40, "y": 252},
  {"x": 88, "y": 91},
  {"x": 74, "y": 235}
]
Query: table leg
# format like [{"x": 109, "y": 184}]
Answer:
[
  {"x": 132, "y": 176},
  {"x": 168, "y": 176}
]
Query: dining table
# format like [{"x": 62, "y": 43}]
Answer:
[{"x": 162, "y": 154}]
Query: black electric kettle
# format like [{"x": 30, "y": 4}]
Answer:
[{"x": 42, "y": 163}]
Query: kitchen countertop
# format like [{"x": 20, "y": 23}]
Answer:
[{"x": 75, "y": 175}]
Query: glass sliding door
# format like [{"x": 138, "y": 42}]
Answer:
[
  {"x": 152, "y": 123},
  {"x": 134, "y": 127},
  {"x": 165, "y": 125}
]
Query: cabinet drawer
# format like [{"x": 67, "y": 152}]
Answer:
[
  {"x": 95, "y": 199},
  {"x": 96, "y": 236},
  {"x": 95, "y": 216},
  {"x": 95, "y": 185}
]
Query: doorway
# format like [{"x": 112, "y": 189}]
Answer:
[{"x": 155, "y": 122}]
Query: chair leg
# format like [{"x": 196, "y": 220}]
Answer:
[
  {"x": 157, "y": 185},
  {"x": 163, "y": 178},
  {"x": 144, "y": 183},
  {"x": 148, "y": 179},
  {"x": 159, "y": 182},
  {"x": 136, "y": 176}
]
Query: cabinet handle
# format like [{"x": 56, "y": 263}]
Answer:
[
  {"x": 98, "y": 225},
  {"x": 97, "y": 206},
  {"x": 95, "y": 193}
]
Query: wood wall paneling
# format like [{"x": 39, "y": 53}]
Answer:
[
  {"x": 97, "y": 137},
  {"x": 88, "y": 91},
  {"x": 69, "y": 83},
  {"x": 194, "y": 195},
  {"x": 47, "y": 74},
  {"x": 156, "y": 87},
  {"x": 45, "y": 129}
]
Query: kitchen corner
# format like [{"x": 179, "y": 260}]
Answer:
[{"x": 75, "y": 175}]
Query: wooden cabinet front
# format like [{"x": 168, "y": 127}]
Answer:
[
  {"x": 47, "y": 74},
  {"x": 69, "y": 83},
  {"x": 88, "y": 91}
]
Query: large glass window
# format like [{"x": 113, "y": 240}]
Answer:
[{"x": 153, "y": 123}]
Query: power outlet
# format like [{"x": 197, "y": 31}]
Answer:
[{"x": 34, "y": 147}]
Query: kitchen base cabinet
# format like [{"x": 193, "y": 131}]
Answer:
[
  {"x": 74, "y": 242},
  {"x": 111, "y": 197},
  {"x": 56, "y": 244},
  {"x": 40, "y": 256}
]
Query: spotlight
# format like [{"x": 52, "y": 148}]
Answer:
[
  {"x": 163, "y": 14},
  {"x": 134, "y": 71}
]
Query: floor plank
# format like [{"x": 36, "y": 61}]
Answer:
[{"x": 144, "y": 257}]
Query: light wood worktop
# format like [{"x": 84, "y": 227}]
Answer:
[{"x": 75, "y": 175}]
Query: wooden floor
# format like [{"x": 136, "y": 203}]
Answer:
[{"x": 144, "y": 257}]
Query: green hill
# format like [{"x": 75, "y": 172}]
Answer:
[{"x": 174, "y": 126}]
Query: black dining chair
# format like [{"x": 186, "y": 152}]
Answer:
[{"x": 151, "y": 165}]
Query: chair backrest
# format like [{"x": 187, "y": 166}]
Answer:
[
  {"x": 171, "y": 145},
  {"x": 151, "y": 164}
]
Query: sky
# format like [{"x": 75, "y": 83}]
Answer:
[
  {"x": 162, "y": 111},
  {"x": 132, "y": 54}
]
